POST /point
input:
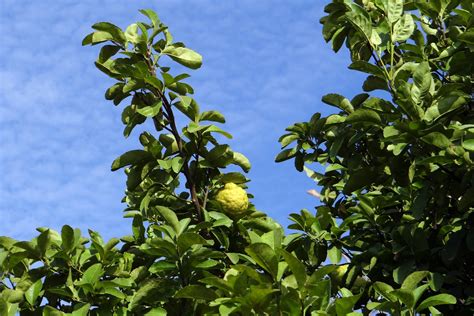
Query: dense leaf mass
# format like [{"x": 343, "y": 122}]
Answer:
[{"x": 395, "y": 171}]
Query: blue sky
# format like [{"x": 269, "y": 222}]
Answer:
[{"x": 265, "y": 66}]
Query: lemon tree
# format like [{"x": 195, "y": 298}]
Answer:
[{"x": 396, "y": 178}]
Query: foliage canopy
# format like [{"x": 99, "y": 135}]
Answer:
[{"x": 397, "y": 189}]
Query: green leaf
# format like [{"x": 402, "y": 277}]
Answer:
[
  {"x": 149, "y": 289},
  {"x": 361, "y": 20},
  {"x": 215, "y": 129},
  {"x": 385, "y": 290},
  {"x": 114, "y": 31},
  {"x": 364, "y": 116},
  {"x": 345, "y": 305},
  {"x": 467, "y": 37},
  {"x": 131, "y": 33},
  {"x": 412, "y": 281},
  {"x": 234, "y": 177},
  {"x": 131, "y": 158},
  {"x": 334, "y": 254},
  {"x": 403, "y": 28},
  {"x": 286, "y": 154},
  {"x": 437, "y": 139},
  {"x": 68, "y": 238},
  {"x": 374, "y": 83},
  {"x": 7, "y": 242},
  {"x": 155, "y": 21},
  {"x": 92, "y": 274},
  {"x": 359, "y": 179},
  {"x": 242, "y": 161},
  {"x": 44, "y": 241},
  {"x": 155, "y": 83},
  {"x": 170, "y": 216},
  {"x": 161, "y": 266},
  {"x": 96, "y": 38},
  {"x": 207, "y": 264},
  {"x": 157, "y": 311},
  {"x": 394, "y": 9},
  {"x": 296, "y": 267},
  {"x": 150, "y": 111},
  {"x": 405, "y": 296},
  {"x": 468, "y": 144},
  {"x": 422, "y": 80},
  {"x": 81, "y": 309},
  {"x": 265, "y": 257},
  {"x": 219, "y": 156},
  {"x": 177, "y": 164},
  {"x": 214, "y": 116},
  {"x": 51, "y": 311},
  {"x": 197, "y": 292},
  {"x": 316, "y": 176},
  {"x": 188, "y": 239},
  {"x": 445, "y": 105},
  {"x": 338, "y": 101},
  {"x": 33, "y": 292},
  {"x": 440, "y": 299},
  {"x": 367, "y": 67},
  {"x": 106, "y": 52},
  {"x": 184, "y": 56},
  {"x": 287, "y": 139},
  {"x": 401, "y": 272}
]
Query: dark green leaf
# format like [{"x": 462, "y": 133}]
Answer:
[
  {"x": 131, "y": 158},
  {"x": 106, "y": 52},
  {"x": 345, "y": 305},
  {"x": 437, "y": 139},
  {"x": 265, "y": 257},
  {"x": 197, "y": 292},
  {"x": 296, "y": 267},
  {"x": 214, "y": 116},
  {"x": 364, "y": 116},
  {"x": 188, "y": 239},
  {"x": 338, "y": 101},
  {"x": 374, "y": 83},
  {"x": 170, "y": 216},
  {"x": 367, "y": 67},
  {"x": 157, "y": 311},
  {"x": 285, "y": 155},
  {"x": 242, "y": 161},
  {"x": 405, "y": 296}
]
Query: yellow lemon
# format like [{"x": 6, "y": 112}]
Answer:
[{"x": 233, "y": 199}]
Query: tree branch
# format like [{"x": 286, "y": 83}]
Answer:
[{"x": 168, "y": 112}]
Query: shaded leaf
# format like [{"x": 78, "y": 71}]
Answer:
[
  {"x": 130, "y": 158},
  {"x": 265, "y": 257},
  {"x": 197, "y": 292}
]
